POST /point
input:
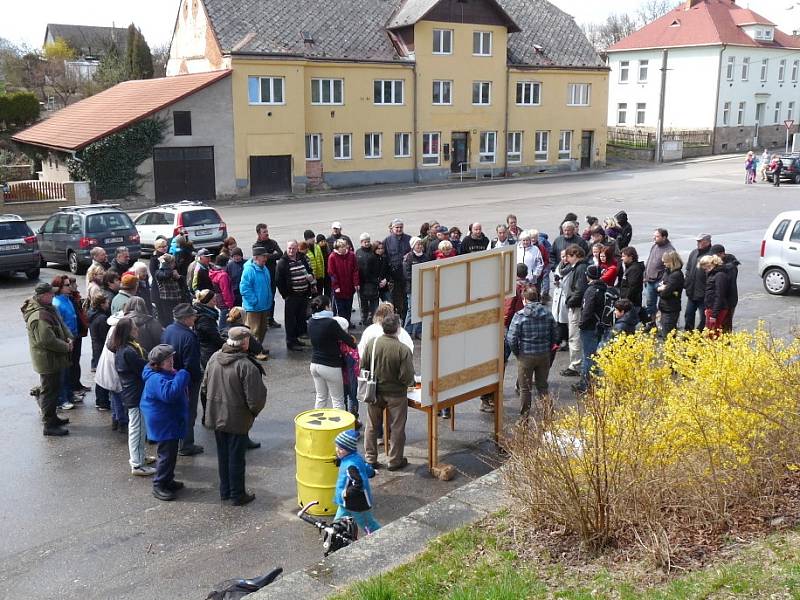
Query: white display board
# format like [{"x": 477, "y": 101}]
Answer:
[{"x": 460, "y": 303}]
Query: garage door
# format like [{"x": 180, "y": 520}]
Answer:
[
  {"x": 184, "y": 173},
  {"x": 270, "y": 175}
]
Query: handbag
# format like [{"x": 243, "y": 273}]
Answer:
[{"x": 367, "y": 386}]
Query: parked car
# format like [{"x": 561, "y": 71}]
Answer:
[
  {"x": 19, "y": 250},
  {"x": 69, "y": 235},
  {"x": 779, "y": 264},
  {"x": 791, "y": 169},
  {"x": 202, "y": 224}
]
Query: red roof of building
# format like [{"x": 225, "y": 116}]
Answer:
[
  {"x": 98, "y": 116},
  {"x": 706, "y": 23}
]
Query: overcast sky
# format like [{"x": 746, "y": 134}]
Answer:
[{"x": 23, "y": 22}]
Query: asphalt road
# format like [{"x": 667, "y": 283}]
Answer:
[{"x": 77, "y": 525}]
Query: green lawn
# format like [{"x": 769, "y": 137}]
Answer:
[{"x": 468, "y": 565}]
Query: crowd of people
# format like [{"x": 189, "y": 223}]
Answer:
[
  {"x": 765, "y": 165},
  {"x": 188, "y": 332}
]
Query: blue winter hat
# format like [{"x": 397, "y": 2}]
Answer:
[{"x": 347, "y": 440}]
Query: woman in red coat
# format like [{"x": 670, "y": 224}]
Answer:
[
  {"x": 343, "y": 271},
  {"x": 609, "y": 266}
]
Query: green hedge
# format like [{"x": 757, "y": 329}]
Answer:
[{"x": 20, "y": 108}]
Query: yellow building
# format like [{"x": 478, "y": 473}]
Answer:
[{"x": 331, "y": 93}]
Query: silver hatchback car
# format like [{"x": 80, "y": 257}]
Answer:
[{"x": 779, "y": 262}]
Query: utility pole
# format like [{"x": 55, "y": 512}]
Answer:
[{"x": 658, "y": 155}]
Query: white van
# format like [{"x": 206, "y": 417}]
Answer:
[{"x": 779, "y": 264}]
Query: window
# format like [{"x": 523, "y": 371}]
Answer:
[
  {"x": 764, "y": 65},
  {"x": 402, "y": 145},
  {"x": 197, "y": 218},
  {"x": 312, "y": 146},
  {"x": 482, "y": 92},
  {"x": 514, "y": 146},
  {"x": 729, "y": 69},
  {"x": 430, "y": 148},
  {"x": 565, "y": 145},
  {"x": 542, "y": 144},
  {"x": 482, "y": 43},
  {"x": 265, "y": 90},
  {"x": 442, "y": 41},
  {"x": 578, "y": 94},
  {"x": 781, "y": 70},
  {"x": 624, "y": 70},
  {"x": 790, "y": 111},
  {"x": 111, "y": 221},
  {"x": 529, "y": 93},
  {"x": 643, "y": 65},
  {"x": 327, "y": 91},
  {"x": 442, "y": 92},
  {"x": 763, "y": 34},
  {"x": 726, "y": 113},
  {"x": 780, "y": 230},
  {"x": 388, "y": 91},
  {"x": 488, "y": 146},
  {"x": 622, "y": 113},
  {"x": 740, "y": 114},
  {"x": 795, "y": 235},
  {"x": 182, "y": 122},
  {"x": 641, "y": 109},
  {"x": 795, "y": 70},
  {"x": 342, "y": 144},
  {"x": 778, "y": 106},
  {"x": 745, "y": 69},
  {"x": 372, "y": 145}
]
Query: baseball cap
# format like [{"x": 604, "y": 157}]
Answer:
[{"x": 336, "y": 225}]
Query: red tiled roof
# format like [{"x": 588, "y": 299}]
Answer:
[
  {"x": 98, "y": 116},
  {"x": 707, "y": 23}
]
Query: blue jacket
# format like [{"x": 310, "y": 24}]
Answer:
[
  {"x": 66, "y": 309},
  {"x": 187, "y": 349},
  {"x": 165, "y": 404},
  {"x": 366, "y": 472},
  {"x": 255, "y": 288}
]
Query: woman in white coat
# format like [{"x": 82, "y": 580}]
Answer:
[{"x": 562, "y": 279}]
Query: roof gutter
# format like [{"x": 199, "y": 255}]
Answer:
[{"x": 716, "y": 101}]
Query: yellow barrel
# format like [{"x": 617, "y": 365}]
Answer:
[{"x": 316, "y": 472}]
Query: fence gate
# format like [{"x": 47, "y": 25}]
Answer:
[{"x": 184, "y": 173}]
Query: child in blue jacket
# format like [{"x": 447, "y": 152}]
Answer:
[{"x": 353, "y": 495}]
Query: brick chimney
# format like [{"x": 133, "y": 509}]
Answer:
[{"x": 690, "y": 3}]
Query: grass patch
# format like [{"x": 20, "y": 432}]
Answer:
[{"x": 477, "y": 563}]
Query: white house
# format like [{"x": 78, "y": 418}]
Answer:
[{"x": 729, "y": 71}]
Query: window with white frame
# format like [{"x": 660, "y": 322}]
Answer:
[
  {"x": 388, "y": 91},
  {"x": 795, "y": 70},
  {"x": 488, "y": 146},
  {"x": 641, "y": 110},
  {"x": 622, "y": 113},
  {"x": 541, "y": 145},
  {"x": 342, "y": 146},
  {"x": 740, "y": 113},
  {"x": 643, "y": 67},
  {"x": 624, "y": 71},
  {"x": 745, "y": 69},
  {"x": 579, "y": 94},
  {"x": 442, "y": 41},
  {"x": 778, "y": 106},
  {"x": 730, "y": 68},
  {"x": 312, "y": 146},
  {"x": 781, "y": 70},
  {"x": 726, "y": 113},
  {"x": 327, "y": 91},
  {"x": 372, "y": 145},
  {"x": 482, "y": 92},
  {"x": 529, "y": 93},
  {"x": 265, "y": 90},
  {"x": 442, "y": 92},
  {"x": 430, "y": 148},
  {"x": 764, "y": 68},
  {"x": 565, "y": 145},
  {"x": 482, "y": 43},
  {"x": 514, "y": 146},
  {"x": 790, "y": 111},
  {"x": 402, "y": 145}
]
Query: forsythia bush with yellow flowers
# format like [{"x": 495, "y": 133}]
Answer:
[{"x": 676, "y": 434}]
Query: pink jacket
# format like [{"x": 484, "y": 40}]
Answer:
[
  {"x": 343, "y": 271},
  {"x": 222, "y": 287}
]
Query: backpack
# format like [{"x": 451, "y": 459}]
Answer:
[
  {"x": 354, "y": 496},
  {"x": 610, "y": 297}
]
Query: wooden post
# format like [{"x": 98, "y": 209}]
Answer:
[
  {"x": 433, "y": 432},
  {"x": 498, "y": 395}
]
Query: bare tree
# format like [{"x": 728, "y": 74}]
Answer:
[
  {"x": 160, "y": 58},
  {"x": 613, "y": 29},
  {"x": 650, "y": 10}
]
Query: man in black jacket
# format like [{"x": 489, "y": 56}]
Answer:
[
  {"x": 626, "y": 231},
  {"x": 294, "y": 281},
  {"x": 576, "y": 257},
  {"x": 565, "y": 240},
  {"x": 731, "y": 266},
  {"x": 274, "y": 252},
  {"x": 476, "y": 241},
  {"x": 369, "y": 274},
  {"x": 591, "y": 323},
  {"x": 695, "y": 284},
  {"x": 396, "y": 245},
  {"x": 631, "y": 279}
]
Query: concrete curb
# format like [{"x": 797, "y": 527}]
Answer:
[{"x": 394, "y": 544}]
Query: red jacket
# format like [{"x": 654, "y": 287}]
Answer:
[
  {"x": 343, "y": 271},
  {"x": 610, "y": 272},
  {"x": 222, "y": 287},
  {"x": 515, "y": 304}
]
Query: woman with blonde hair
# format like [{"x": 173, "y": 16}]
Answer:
[
  {"x": 669, "y": 292},
  {"x": 717, "y": 292}
]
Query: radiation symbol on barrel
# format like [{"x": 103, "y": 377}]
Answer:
[{"x": 318, "y": 418}]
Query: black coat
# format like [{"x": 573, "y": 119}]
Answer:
[
  {"x": 669, "y": 299},
  {"x": 325, "y": 335},
  {"x": 470, "y": 244},
  {"x": 695, "y": 280},
  {"x": 731, "y": 266},
  {"x": 283, "y": 275},
  {"x": 207, "y": 330},
  {"x": 130, "y": 364},
  {"x": 717, "y": 290},
  {"x": 98, "y": 330},
  {"x": 409, "y": 261},
  {"x": 370, "y": 272},
  {"x": 631, "y": 282},
  {"x": 577, "y": 286},
  {"x": 625, "y": 235},
  {"x": 593, "y": 303}
]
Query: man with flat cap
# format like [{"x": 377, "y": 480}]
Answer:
[
  {"x": 233, "y": 393},
  {"x": 181, "y": 336},
  {"x": 257, "y": 295},
  {"x": 51, "y": 346}
]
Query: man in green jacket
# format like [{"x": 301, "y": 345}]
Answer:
[
  {"x": 50, "y": 345},
  {"x": 233, "y": 393},
  {"x": 394, "y": 374}
]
